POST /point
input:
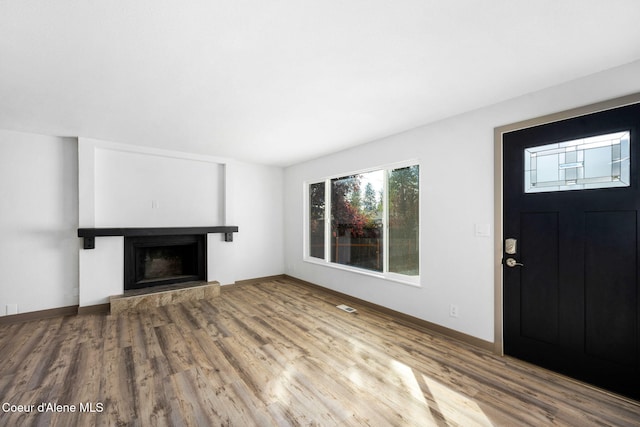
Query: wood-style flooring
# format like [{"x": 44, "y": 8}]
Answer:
[{"x": 276, "y": 353}]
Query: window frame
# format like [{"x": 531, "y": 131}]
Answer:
[{"x": 326, "y": 261}]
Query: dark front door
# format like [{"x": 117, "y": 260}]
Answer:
[{"x": 571, "y": 294}]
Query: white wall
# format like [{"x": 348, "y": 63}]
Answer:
[
  {"x": 254, "y": 204},
  {"x": 41, "y": 258},
  {"x": 134, "y": 189},
  {"x": 258, "y": 211},
  {"x": 457, "y": 168},
  {"x": 39, "y": 215},
  {"x": 101, "y": 271},
  {"x": 38, "y": 222},
  {"x": 124, "y": 185}
]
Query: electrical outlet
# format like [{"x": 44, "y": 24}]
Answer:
[{"x": 453, "y": 310}]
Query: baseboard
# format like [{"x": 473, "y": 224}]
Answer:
[
  {"x": 38, "y": 315},
  {"x": 404, "y": 318},
  {"x": 257, "y": 280},
  {"x": 95, "y": 309}
]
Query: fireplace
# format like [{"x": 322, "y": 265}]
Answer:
[{"x": 160, "y": 260}]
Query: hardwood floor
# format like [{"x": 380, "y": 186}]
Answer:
[{"x": 276, "y": 353}]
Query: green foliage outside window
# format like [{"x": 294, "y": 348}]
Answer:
[{"x": 360, "y": 206}]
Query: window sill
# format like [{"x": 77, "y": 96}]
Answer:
[{"x": 392, "y": 277}]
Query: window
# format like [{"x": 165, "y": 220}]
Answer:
[
  {"x": 316, "y": 220},
  {"x": 404, "y": 220},
  {"x": 356, "y": 220},
  {"x": 596, "y": 162},
  {"x": 373, "y": 223}
]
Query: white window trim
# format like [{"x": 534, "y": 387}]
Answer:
[{"x": 386, "y": 274}]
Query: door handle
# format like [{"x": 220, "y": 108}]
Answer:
[{"x": 512, "y": 263}]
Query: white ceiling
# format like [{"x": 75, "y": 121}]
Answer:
[{"x": 282, "y": 81}]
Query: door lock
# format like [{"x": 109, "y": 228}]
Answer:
[{"x": 512, "y": 263}]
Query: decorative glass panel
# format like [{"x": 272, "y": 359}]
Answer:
[
  {"x": 404, "y": 219},
  {"x": 596, "y": 162},
  {"x": 316, "y": 220}
]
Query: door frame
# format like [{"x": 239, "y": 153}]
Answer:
[{"x": 498, "y": 133}]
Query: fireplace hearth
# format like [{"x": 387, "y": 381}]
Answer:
[{"x": 160, "y": 260}]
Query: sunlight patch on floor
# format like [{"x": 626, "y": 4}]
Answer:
[
  {"x": 280, "y": 386},
  {"x": 408, "y": 379},
  {"x": 456, "y": 408}
]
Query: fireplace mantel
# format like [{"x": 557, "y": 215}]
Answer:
[{"x": 89, "y": 234}]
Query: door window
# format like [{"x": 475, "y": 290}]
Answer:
[{"x": 600, "y": 161}]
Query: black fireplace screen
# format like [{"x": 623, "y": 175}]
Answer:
[{"x": 158, "y": 260}]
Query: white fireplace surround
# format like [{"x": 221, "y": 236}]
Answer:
[{"x": 132, "y": 186}]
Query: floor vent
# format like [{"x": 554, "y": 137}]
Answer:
[{"x": 346, "y": 308}]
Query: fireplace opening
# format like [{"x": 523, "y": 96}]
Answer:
[{"x": 161, "y": 260}]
